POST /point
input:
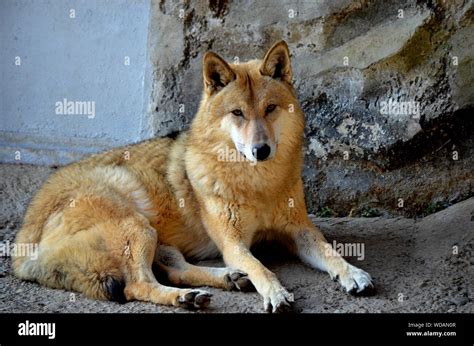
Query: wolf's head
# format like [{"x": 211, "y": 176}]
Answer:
[{"x": 254, "y": 102}]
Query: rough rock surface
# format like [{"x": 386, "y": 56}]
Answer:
[
  {"x": 387, "y": 88},
  {"x": 418, "y": 265}
]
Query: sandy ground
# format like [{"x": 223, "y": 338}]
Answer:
[{"x": 423, "y": 265}]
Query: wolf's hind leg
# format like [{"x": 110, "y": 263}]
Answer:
[
  {"x": 152, "y": 291},
  {"x": 142, "y": 285},
  {"x": 181, "y": 272}
]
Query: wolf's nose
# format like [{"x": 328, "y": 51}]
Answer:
[{"x": 261, "y": 151}]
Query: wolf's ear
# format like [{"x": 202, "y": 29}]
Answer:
[
  {"x": 276, "y": 63},
  {"x": 217, "y": 73}
]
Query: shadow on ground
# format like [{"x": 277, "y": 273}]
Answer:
[{"x": 423, "y": 265}]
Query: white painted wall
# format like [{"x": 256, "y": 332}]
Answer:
[{"x": 75, "y": 50}]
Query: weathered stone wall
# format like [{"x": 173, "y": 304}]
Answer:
[{"x": 354, "y": 63}]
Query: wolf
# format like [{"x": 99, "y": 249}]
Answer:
[{"x": 100, "y": 224}]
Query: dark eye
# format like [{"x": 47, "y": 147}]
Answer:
[
  {"x": 238, "y": 112},
  {"x": 270, "y": 108}
]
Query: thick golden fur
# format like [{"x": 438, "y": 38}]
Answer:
[{"x": 101, "y": 222}]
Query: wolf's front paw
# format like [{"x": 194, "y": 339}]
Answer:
[
  {"x": 238, "y": 281},
  {"x": 194, "y": 299},
  {"x": 357, "y": 282},
  {"x": 278, "y": 300}
]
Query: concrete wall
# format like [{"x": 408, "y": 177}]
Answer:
[
  {"x": 84, "y": 50},
  {"x": 351, "y": 59}
]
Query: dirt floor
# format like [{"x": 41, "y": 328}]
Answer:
[{"x": 423, "y": 265}]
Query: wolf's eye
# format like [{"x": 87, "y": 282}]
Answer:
[
  {"x": 270, "y": 108},
  {"x": 238, "y": 112}
]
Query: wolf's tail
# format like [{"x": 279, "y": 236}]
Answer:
[{"x": 73, "y": 267}]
